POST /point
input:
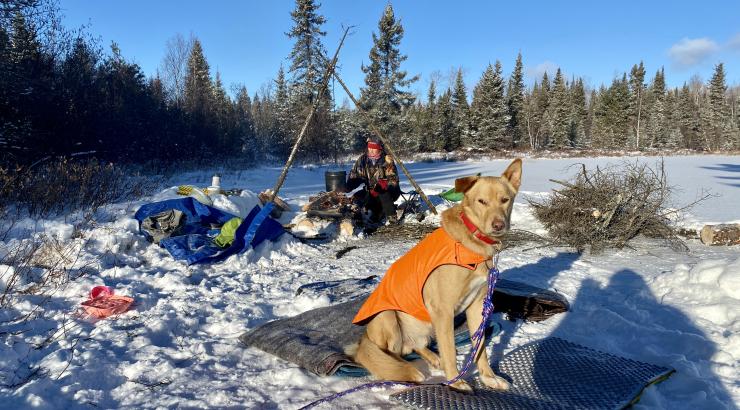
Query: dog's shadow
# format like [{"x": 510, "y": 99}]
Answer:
[{"x": 540, "y": 273}]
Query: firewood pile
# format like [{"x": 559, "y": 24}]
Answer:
[
  {"x": 330, "y": 205},
  {"x": 606, "y": 208}
]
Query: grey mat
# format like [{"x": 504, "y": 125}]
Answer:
[
  {"x": 549, "y": 374},
  {"x": 315, "y": 340}
]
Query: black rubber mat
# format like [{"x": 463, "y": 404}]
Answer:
[{"x": 549, "y": 374}]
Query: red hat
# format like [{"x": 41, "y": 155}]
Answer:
[{"x": 374, "y": 145}]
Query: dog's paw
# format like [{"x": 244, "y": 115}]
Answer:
[
  {"x": 462, "y": 386},
  {"x": 433, "y": 361},
  {"x": 495, "y": 382},
  {"x": 412, "y": 374}
]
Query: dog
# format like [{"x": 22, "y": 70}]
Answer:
[{"x": 441, "y": 277}]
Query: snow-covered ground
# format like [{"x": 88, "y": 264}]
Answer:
[{"x": 178, "y": 347}]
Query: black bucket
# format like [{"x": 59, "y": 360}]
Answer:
[{"x": 336, "y": 181}]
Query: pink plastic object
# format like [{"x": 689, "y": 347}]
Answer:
[
  {"x": 104, "y": 306},
  {"x": 100, "y": 291}
]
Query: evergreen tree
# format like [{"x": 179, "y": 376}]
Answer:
[
  {"x": 446, "y": 136},
  {"x": 245, "y": 128},
  {"x": 687, "y": 119},
  {"x": 385, "y": 96},
  {"x": 222, "y": 117},
  {"x": 611, "y": 115},
  {"x": 543, "y": 112},
  {"x": 559, "y": 114},
  {"x": 515, "y": 102},
  {"x": 720, "y": 130},
  {"x": 460, "y": 107},
  {"x": 657, "y": 127},
  {"x": 308, "y": 63},
  {"x": 593, "y": 101},
  {"x": 578, "y": 114},
  {"x": 308, "y": 56},
  {"x": 600, "y": 130},
  {"x": 619, "y": 108},
  {"x": 280, "y": 130},
  {"x": 427, "y": 133},
  {"x": 198, "y": 93},
  {"x": 27, "y": 77},
  {"x": 490, "y": 116},
  {"x": 673, "y": 137},
  {"x": 637, "y": 101}
]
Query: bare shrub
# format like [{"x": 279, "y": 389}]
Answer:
[
  {"x": 38, "y": 264},
  {"x": 606, "y": 208}
]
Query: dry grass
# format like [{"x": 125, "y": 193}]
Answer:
[
  {"x": 36, "y": 267},
  {"x": 606, "y": 208},
  {"x": 39, "y": 264}
]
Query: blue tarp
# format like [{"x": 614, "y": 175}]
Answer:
[{"x": 195, "y": 244}]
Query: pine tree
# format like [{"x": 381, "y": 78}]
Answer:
[
  {"x": 460, "y": 107},
  {"x": 543, "y": 112},
  {"x": 446, "y": 136},
  {"x": 490, "y": 116},
  {"x": 308, "y": 56},
  {"x": 515, "y": 102},
  {"x": 592, "y": 103},
  {"x": 600, "y": 130},
  {"x": 619, "y": 108},
  {"x": 637, "y": 101},
  {"x": 427, "y": 133},
  {"x": 245, "y": 124},
  {"x": 674, "y": 139},
  {"x": 559, "y": 111},
  {"x": 222, "y": 115},
  {"x": 308, "y": 62},
  {"x": 657, "y": 127},
  {"x": 720, "y": 130},
  {"x": 282, "y": 122},
  {"x": 578, "y": 114},
  {"x": 611, "y": 116},
  {"x": 687, "y": 119},
  {"x": 384, "y": 95},
  {"x": 198, "y": 94}
]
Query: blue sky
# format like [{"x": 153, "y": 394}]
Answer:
[{"x": 594, "y": 39}]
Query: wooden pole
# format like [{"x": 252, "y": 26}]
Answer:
[
  {"x": 386, "y": 144},
  {"x": 324, "y": 84}
]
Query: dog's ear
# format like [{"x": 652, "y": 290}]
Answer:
[
  {"x": 513, "y": 173},
  {"x": 464, "y": 184}
]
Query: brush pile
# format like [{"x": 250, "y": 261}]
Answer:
[{"x": 606, "y": 208}]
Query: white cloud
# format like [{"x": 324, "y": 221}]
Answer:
[
  {"x": 734, "y": 43},
  {"x": 540, "y": 69},
  {"x": 689, "y": 52}
]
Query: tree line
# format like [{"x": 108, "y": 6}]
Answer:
[{"x": 61, "y": 93}]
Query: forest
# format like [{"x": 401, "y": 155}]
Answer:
[{"x": 62, "y": 93}]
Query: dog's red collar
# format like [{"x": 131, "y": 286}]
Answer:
[{"x": 475, "y": 231}]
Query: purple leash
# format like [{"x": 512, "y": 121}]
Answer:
[{"x": 476, "y": 339}]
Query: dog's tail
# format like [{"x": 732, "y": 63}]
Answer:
[{"x": 384, "y": 365}]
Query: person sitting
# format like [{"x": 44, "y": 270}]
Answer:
[{"x": 377, "y": 171}]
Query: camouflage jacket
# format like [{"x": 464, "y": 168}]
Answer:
[{"x": 366, "y": 172}]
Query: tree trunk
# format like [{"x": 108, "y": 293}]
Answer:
[{"x": 724, "y": 234}]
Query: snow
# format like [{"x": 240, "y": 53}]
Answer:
[{"x": 178, "y": 347}]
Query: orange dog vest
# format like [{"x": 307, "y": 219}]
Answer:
[{"x": 401, "y": 287}]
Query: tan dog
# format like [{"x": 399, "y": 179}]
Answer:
[{"x": 449, "y": 289}]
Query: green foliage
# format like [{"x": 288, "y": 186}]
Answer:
[
  {"x": 515, "y": 103},
  {"x": 490, "y": 115},
  {"x": 559, "y": 114},
  {"x": 385, "y": 96}
]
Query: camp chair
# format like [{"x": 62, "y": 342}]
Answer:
[{"x": 411, "y": 205}]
